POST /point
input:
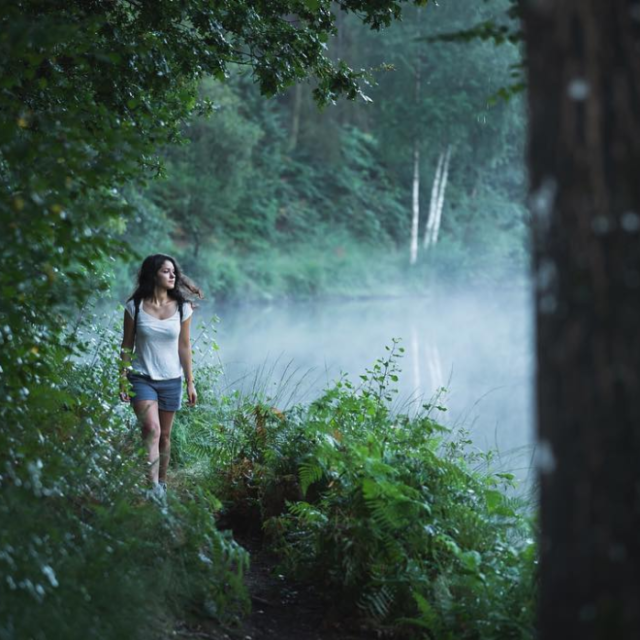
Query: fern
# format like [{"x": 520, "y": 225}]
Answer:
[
  {"x": 427, "y": 616},
  {"x": 307, "y": 514},
  {"x": 405, "y": 524},
  {"x": 377, "y": 602},
  {"x": 309, "y": 471}
]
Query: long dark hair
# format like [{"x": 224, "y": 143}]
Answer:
[{"x": 185, "y": 289}]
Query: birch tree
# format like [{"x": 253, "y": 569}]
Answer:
[
  {"x": 440, "y": 200},
  {"x": 415, "y": 205},
  {"x": 456, "y": 82},
  {"x": 432, "y": 227},
  {"x": 415, "y": 186}
]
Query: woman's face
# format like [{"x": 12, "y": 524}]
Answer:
[{"x": 166, "y": 275}]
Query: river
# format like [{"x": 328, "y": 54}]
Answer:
[{"x": 478, "y": 345}]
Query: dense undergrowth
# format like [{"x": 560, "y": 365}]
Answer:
[
  {"x": 395, "y": 520},
  {"x": 83, "y": 554},
  {"x": 392, "y": 517}
]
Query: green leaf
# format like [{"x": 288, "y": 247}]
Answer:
[
  {"x": 309, "y": 473},
  {"x": 471, "y": 560}
]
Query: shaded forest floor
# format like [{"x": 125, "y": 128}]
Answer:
[{"x": 280, "y": 609}]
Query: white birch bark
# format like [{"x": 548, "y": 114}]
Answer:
[
  {"x": 415, "y": 205},
  {"x": 443, "y": 186},
  {"x": 415, "y": 195},
  {"x": 433, "y": 204}
]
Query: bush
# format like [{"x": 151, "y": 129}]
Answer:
[{"x": 386, "y": 513}]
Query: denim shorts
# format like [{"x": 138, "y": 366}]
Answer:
[{"x": 167, "y": 393}]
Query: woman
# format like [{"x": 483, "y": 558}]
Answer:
[{"x": 157, "y": 321}]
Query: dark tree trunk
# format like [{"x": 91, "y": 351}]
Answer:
[
  {"x": 296, "y": 109},
  {"x": 584, "y": 157}
]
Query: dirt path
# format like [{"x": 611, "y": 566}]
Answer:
[{"x": 280, "y": 610}]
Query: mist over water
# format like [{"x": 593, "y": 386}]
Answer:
[{"x": 476, "y": 344}]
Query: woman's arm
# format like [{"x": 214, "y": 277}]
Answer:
[
  {"x": 184, "y": 350},
  {"x": 126, "y": 348}
]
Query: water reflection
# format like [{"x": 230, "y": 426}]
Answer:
[{"x": 477, "y": 345}]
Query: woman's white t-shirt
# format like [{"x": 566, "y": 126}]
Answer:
[{"x": 156, "y": 343}]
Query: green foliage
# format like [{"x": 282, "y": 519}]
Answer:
[
  {"x": 233, "y": 185},
  {"x": 82, "y": 553},
  {"x": 211, "y": 173},
  {"x": 387, "y": 513},
  {"x": 501, "y": 28},
  {"x": 90, "y": 91}
]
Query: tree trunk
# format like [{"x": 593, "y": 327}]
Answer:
[
  {"x": 432, "y": 228},
  {"x": 295, "y": 117},
  {"x": 440, "y": 199},
  {"x": 433, "y": 205},
  {"x": 415, "y": 204},
  {"x": 583, "y": 60},
  {"x": 415, "y": 199}
]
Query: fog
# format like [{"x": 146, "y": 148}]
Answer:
[{"x": 477, "y": 344}]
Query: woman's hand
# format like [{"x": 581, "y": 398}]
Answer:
[
  {"x": 124, "y": 388},
  {"x": 191, "y": 393}
]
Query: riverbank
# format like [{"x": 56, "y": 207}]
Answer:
[
  {"x": 364, "y": 521},
  {"x": 335, "y": 268}
]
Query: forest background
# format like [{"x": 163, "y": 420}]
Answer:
[{"x": 275, "y": 198}]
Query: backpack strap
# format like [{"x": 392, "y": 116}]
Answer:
[
  {"x": 180, "y": 305},
  {"x": 135, "y": 318}
]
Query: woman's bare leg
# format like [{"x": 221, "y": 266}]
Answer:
[
  {"x": 147, "y": 412},
  {"x": 166, "y": 422}
]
